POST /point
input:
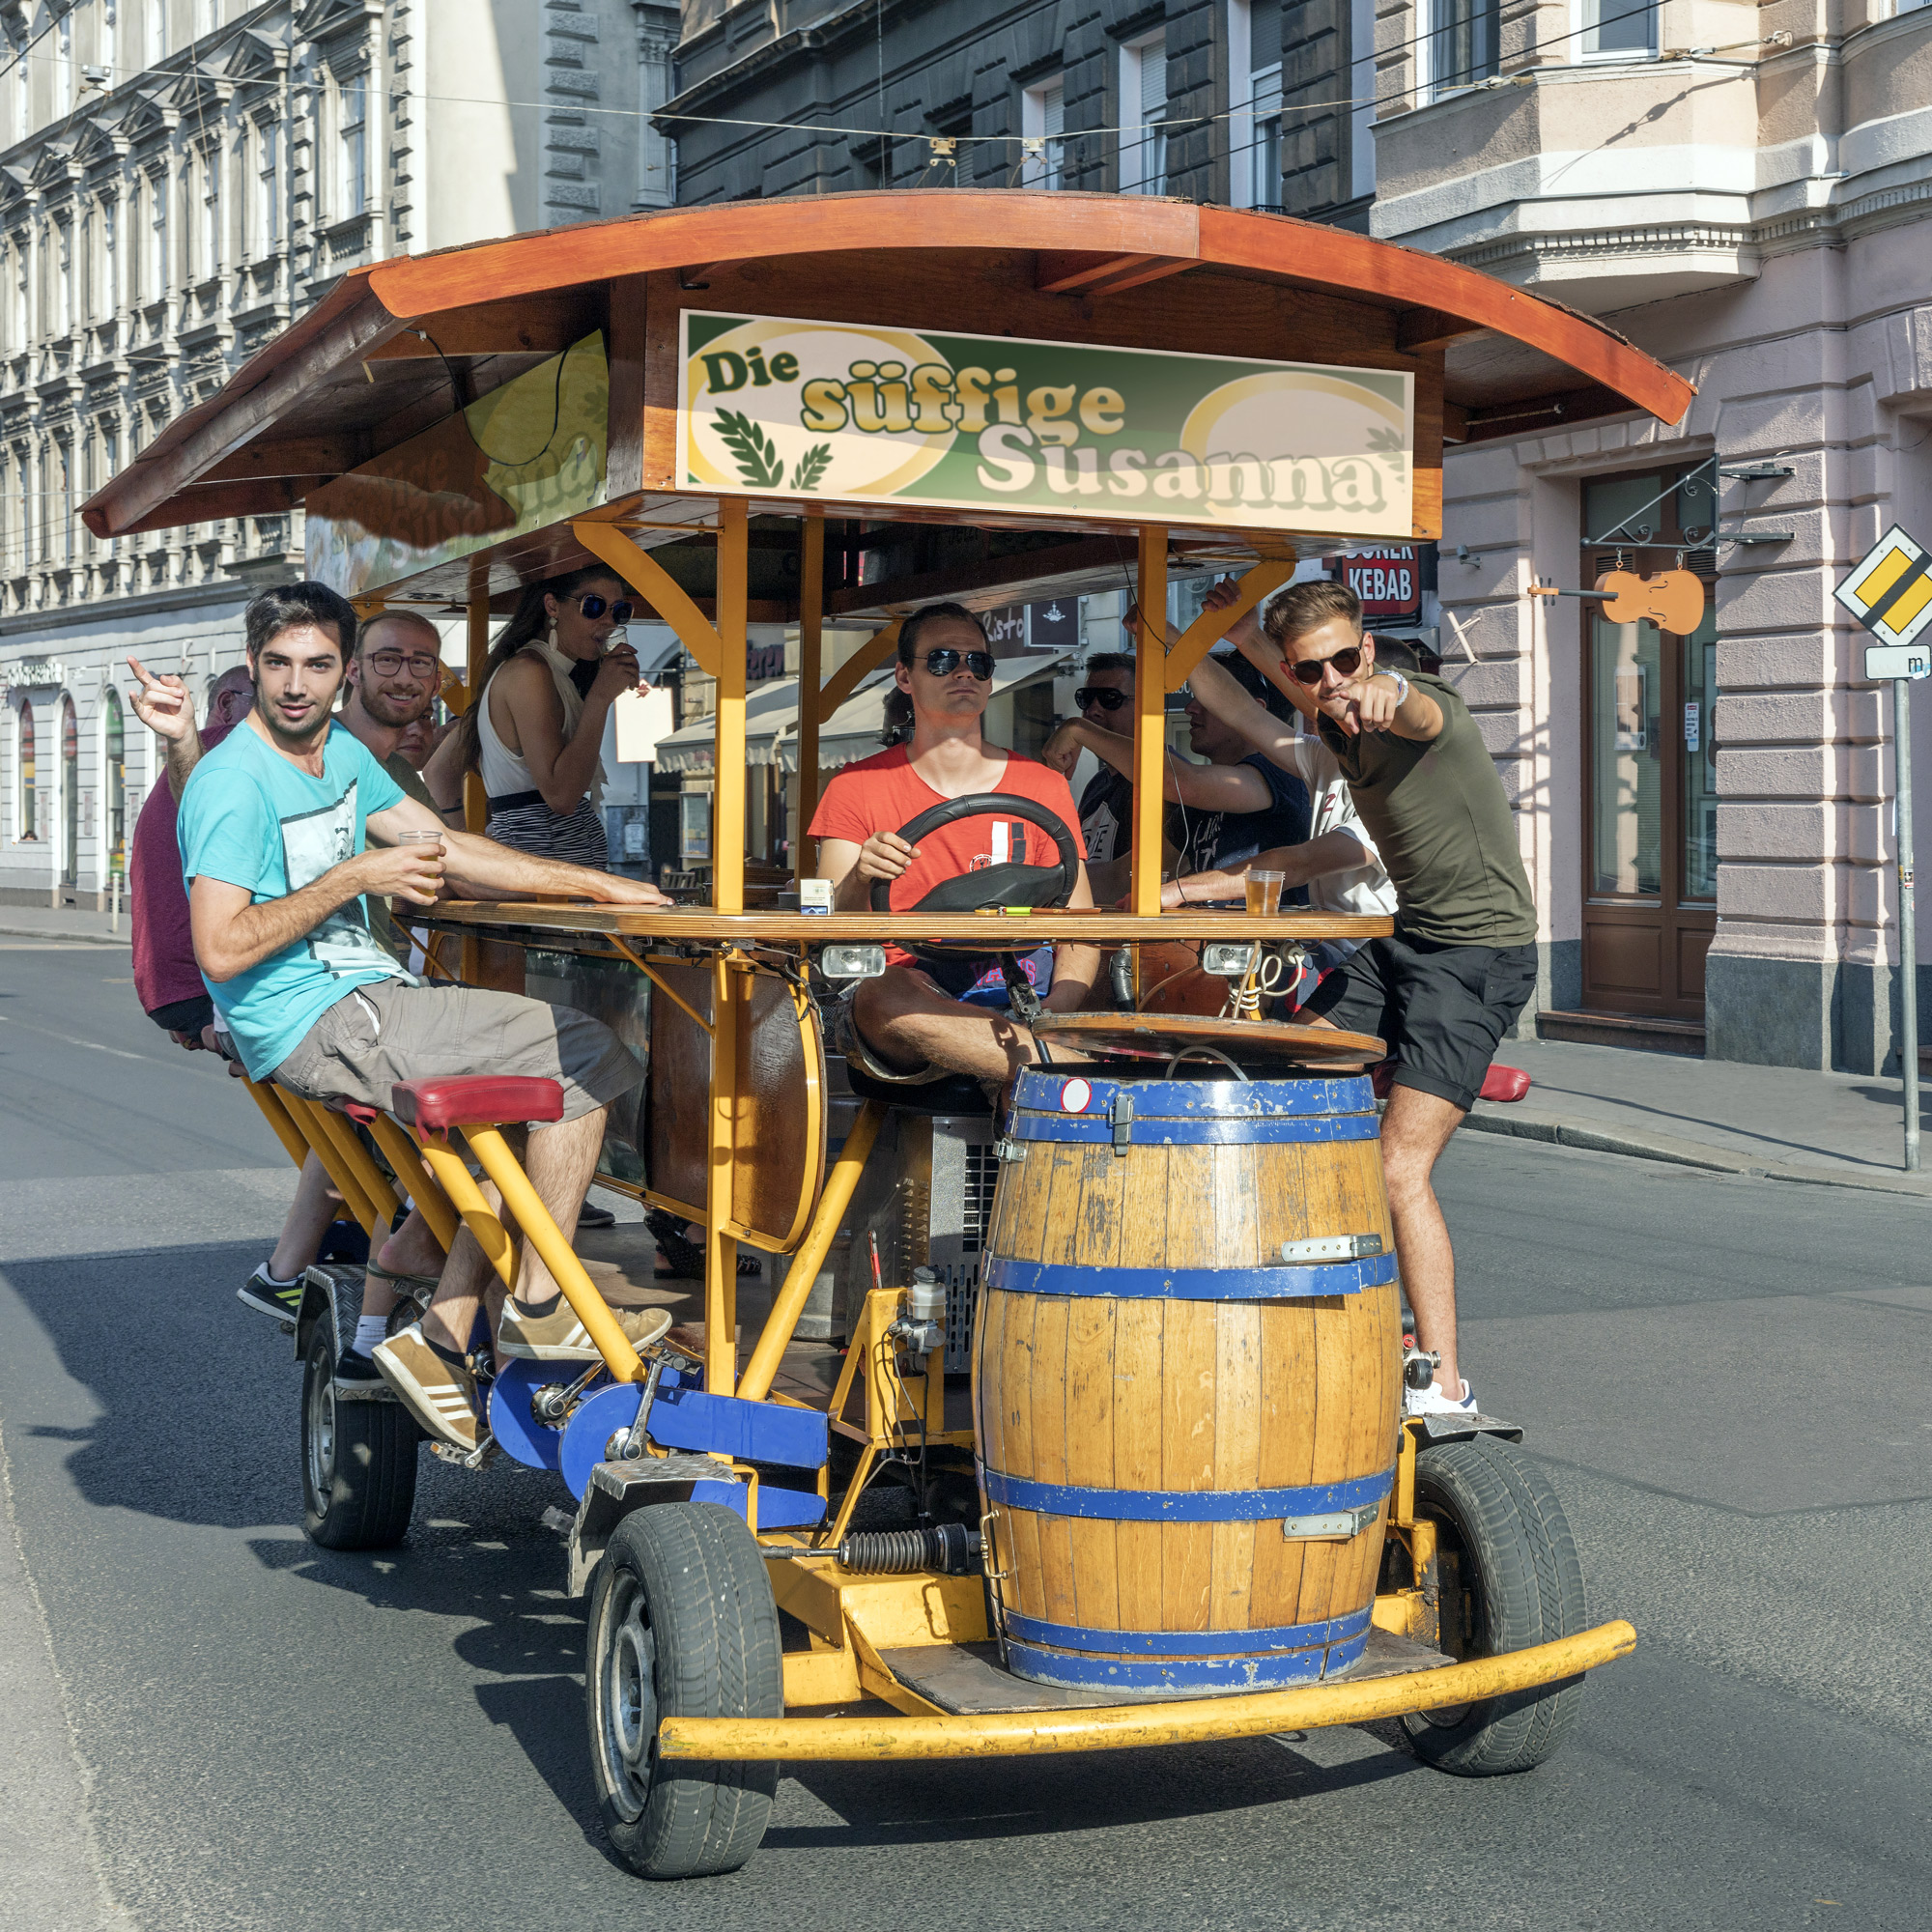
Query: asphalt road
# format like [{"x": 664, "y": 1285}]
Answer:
[{"x": 210, "y": 1723}]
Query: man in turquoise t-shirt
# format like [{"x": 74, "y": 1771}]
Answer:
[{"x": 276, "y": 828}]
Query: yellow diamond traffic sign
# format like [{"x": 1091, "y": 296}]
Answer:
[{"x": 1889, "y": 590}]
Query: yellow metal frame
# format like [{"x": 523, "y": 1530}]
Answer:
[{"x": 856, "y": 1620}]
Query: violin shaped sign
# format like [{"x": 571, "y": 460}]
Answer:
[{"x": 848, "y": 412}]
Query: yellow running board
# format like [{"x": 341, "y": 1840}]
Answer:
[{"x": 1125, "y": 1727}]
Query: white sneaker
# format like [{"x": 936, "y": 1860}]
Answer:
[{"x": 1436, "y": 1400}]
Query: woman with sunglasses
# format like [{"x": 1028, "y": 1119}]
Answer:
[{"x": 536, "y": 725}]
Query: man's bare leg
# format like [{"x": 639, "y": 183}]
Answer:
[
  {"x": 910, "y": 1023},
  {"x": 1415, "y": 1129},
  {"x": 314, "y": 1207},
  {"x": 411, "y": 1250},
  {"x": 560, "y": 1161}
]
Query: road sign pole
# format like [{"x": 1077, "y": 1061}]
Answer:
[{"x": 1908, "y": 936}]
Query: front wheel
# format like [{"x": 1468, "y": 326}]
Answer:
[
  {"x": 358, "y": 1459},
  {"x": 1510, "y": 1578},
  {"x": 682, "y": 1624}
]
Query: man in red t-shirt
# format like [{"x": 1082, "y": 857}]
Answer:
[{"x": 909, "y": 1025}]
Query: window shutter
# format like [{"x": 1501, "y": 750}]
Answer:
[{"x": 1154, "y": 81}]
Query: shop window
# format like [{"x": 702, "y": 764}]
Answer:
[
  {"x": 26, "y": 814},
  {"x": 114, "y": 744}
]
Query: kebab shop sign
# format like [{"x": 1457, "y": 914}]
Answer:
[{"x": 773, "y": 408}]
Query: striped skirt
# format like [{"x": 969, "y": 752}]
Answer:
[{"x": 532, "y": 827}]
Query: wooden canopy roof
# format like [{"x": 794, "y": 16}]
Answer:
[{"x": 397, "y": 346}]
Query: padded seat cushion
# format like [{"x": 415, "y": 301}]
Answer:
[
  {"x": 475, "y": 1100},
  {"x": 956, "y": 1094}
]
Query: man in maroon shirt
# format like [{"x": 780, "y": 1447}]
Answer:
[{"x": 166, "y": 978}]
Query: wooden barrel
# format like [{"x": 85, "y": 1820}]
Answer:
[{"x": 1186, "y": 1383}]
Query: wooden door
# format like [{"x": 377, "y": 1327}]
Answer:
[{"x": 1650, "y": 882}]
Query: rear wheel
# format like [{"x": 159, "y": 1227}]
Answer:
[
  {"x": 1510, "y": 1578},
  {"x": 358, "y": 1459},
  {"x": 682, "y": 1624}
]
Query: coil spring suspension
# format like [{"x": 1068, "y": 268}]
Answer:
[{"x": 949, "y": 1548}]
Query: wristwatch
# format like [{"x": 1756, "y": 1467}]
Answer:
[{"x": 1400, "y": 684}]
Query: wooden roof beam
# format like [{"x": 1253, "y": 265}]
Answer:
[
  {"x": 1418, "y": 329},
  {"x": 1066, "y": 273},
  {"x": 298, "y": 456},
  {"x": 541, "y": 324}
]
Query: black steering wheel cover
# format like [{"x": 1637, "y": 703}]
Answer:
[{"x": 990, "y": 805}]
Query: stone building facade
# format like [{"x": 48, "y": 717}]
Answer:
[
  {"x": 178, "y": 179},
  {"x": 1708, "y": 815}
]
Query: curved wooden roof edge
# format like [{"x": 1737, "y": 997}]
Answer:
[{"x": 371, "y": 303}]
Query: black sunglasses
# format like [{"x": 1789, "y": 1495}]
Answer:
[
  {"x": 1309, "y": 670},
  {"x": 944, "y": 662},
  {"x": 1102, "y": 694},
  {"x": 594, "y": 606}
]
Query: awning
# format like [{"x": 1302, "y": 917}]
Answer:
[{"x": 850, "y": 733}]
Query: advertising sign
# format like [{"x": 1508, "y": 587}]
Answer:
[
  {"x": 850, "y": 412},
  {"x": 1387, "y": 578},
  {"x": 527, "y": 454}
]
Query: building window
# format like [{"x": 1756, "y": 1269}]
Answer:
[
  {"x": 268, "y": 189},
  {"x": 114, "y": 744},
  {"x": 1143, "y": 116},
  {"x": 61, "y": 282},
  {"x": 1459, "y": 47},
  {"x": 62, "y": 65},
  {"x": 26, "y": 815},
  {"x": 1043, "y": 118},
  {"x": 1621, "y": 29},
  {"x": 209, "y": 244},
  {"x": 352, "y": 147},
  {"x": 1362, "y": 92},
  {"x": 207, "y": 16}
]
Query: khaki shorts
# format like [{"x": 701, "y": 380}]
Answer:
[
  {"x": 846, "y": 1039},
  {"x": 389, "y": 1032}
]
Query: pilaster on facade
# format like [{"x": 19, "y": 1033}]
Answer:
[{"x": 572, "y": 141}]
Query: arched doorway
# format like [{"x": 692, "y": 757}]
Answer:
[
  {"x": 29, "y": 819},
  {"x": 114, "y": 742},
  {"x": 70, "y": 792}
]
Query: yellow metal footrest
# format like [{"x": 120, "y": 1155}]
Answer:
[{"x": 1115, "y": 1727}]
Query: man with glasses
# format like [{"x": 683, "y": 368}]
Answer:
[
  {"x": 1105, "y": 702},
  {"x": 909, "y": 1025},
  {"x": 1445, "y": 987}
]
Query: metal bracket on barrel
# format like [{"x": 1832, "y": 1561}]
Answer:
[
  {"x": 1333, "y": 1248},
  {"x": 1120, "y": 1118},
  {"x": 1337, "y": 1526}
]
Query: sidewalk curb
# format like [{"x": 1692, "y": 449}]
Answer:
[
  {"x": 66, "y": 938},
  {"x": 1506, "y": 1120}
]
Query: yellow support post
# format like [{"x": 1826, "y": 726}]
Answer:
[
  {"x": 810, "y": 670},
  {"x": 721, "y": 1249},
  {"x": 478, "y": 1216},
  {"x": 1149, "y": 718},
  {"x": 363, "y": 1190},
  {"x": 277, "y": 1115},
  {"x": 728, "y": 814},
  {"x": 406, "y": 1157},
  {"x": 527, "y": 1208},
  {"x": 1211, "y": 626},
  {"x": 789, "y": 1303},
  {"x": 656, "y": 585}
]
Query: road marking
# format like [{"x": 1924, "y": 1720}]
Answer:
[{"x": 68, "y": 1039}]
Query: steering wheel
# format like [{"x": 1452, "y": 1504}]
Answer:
[{"x": 1041, "y": 887}]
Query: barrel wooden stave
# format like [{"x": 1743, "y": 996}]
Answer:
[{"x": 1147, "y": 1394}]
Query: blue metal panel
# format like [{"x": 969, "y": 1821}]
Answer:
[
  {"x": 1229, "y": 1676},
  {"x": 518, "y": 1432},
  {"x": 1039, "y": 1092},
  {"x": 1093, "y": 1129},
  {"x": 1185, "y": 1505},
  {"x": 1270, "y": 1283},
  {"x": 754, "y": 1432},
  {"x": 1189, "y": 1643}
]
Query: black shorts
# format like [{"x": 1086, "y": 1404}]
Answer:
[
  {"x": 1441, "y": 1008},
  {"x": 186, "y": 1016}
]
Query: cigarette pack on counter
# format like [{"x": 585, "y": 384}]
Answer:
[{"x": 814, "y": 896}]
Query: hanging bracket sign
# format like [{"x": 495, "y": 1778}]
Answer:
[
  {"x": 850, "y": 412},
  {"x": 1889, "y": 592}
]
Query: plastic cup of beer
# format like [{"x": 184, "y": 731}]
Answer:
[
  {"x": 419, "y": 838},
  {"x": 1264, "y": 894}
]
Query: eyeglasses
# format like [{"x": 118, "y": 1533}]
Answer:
[
  {"x": 1309, "y": 670},
  {"x": 594, "y": 606},
  {"x": 1104, "y": 697},
  {"x": 387, "y": 663},
  {"x": 943, "y": 662}
]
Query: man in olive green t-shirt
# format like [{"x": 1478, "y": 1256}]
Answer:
[{"x": 1449, "y": 983}]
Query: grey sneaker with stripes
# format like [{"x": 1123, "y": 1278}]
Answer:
[
  {"x": 554, "y": 1334},
  {"x": 441, "y": 1396}
]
